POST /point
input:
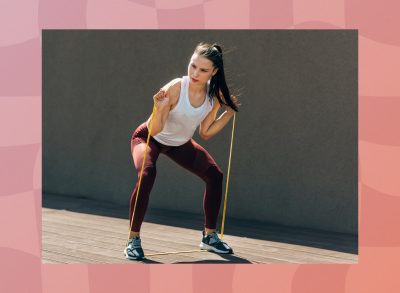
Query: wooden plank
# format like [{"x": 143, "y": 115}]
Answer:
[
  {"x": 265, "y": 230},
  {"x": 163, "y": 245},
  {"x": 277, "y": 235},
  {"x": 75, "y": 237},
  {"x": 176, "y": 237},
  {"x": 115, "y": 247}
]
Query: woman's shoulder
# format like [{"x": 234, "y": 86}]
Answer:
[
  {"x": 173, "y": 86},
  {"x": 173, "y": 89}
]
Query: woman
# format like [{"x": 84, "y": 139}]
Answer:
[{"x": 180, "y": 107}]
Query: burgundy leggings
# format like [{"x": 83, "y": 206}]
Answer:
[{"x": 190, "y": 156}]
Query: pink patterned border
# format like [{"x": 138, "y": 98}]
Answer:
[{"x": 20, "y": 144}]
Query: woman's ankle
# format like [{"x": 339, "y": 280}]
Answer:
[
  {"x": 208, "y": 231},
  {"x": 134, "y": 234}
]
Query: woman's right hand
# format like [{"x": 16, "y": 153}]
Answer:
[{"x": 161, "y": 99}]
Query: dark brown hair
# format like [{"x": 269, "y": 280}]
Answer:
[{"x": 218, "y": 83}]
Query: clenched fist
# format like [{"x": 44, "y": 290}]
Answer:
[{"x": 161, "y": 99}]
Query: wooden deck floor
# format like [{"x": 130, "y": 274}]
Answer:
[{"x": 85, "y": 231}]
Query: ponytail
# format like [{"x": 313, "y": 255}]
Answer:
[{"x": 218, "y": 86}]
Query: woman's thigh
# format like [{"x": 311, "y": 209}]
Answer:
[
  {"x": 140, "y": 151},
  {"x": 192, "y": 157}
]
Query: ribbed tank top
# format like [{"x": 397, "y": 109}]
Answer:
[{"x": 183, "y": 120}]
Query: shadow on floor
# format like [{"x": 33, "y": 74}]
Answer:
[
  {"x": 229, "y": 259},
  {"x": 346, "y": 243}
]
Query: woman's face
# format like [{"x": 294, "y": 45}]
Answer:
[{"x": 200, "y": 69}]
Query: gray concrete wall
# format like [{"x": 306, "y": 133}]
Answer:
[{"x": 295, "y": 149}]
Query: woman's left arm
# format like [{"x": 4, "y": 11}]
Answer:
[{"x": 210, "y": 126}]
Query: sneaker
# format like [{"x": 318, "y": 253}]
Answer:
[
  {"x": 134, "y": 249},
  {"x": 212, "y": 242}
]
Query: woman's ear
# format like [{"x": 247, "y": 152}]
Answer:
[{"x": 215, "y": 71}]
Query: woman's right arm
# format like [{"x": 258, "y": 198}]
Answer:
[
  {"x": 164, "y": 101},
  {"x": 160, "y": 113}
]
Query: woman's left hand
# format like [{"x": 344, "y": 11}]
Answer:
[{"x": 228, "y": 109}]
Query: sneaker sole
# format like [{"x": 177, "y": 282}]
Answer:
[
  {"x": 131, "y": 257},
  {"x": 211, "y": 248}
]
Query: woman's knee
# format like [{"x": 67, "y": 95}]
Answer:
[
  {"x": 148, "y": 172},
  {"x": 214, "y": 175}
]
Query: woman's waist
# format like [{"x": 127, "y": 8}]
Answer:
[{"x": 165, "y": 138}]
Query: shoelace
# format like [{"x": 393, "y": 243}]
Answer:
[
  {"x": 216, "y": 238},
  {"x": 136, "y": 242}
]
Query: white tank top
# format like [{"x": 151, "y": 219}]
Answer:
[{"x": 183, "y": 120}]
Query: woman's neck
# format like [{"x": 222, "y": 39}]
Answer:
[{"x": 197, "y": 88}]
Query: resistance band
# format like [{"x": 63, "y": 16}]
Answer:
[
  {"x": 141, "y": 171},
  {"x": 176, "y": 252},
  {"x": 227, "y": 179},
  {"x": 140, "y": 181}
]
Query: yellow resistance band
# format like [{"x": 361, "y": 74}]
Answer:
[
  {"x": 141, "y": 171},
  {"x": 140, "y": 180},
  {"x": 176, "y": 252},
  {"x": 227, "y": 178}
]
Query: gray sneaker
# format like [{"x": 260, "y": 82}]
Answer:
[
  {"x": 133, "y": 250},
  {"x": 212, "y": 242}
]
